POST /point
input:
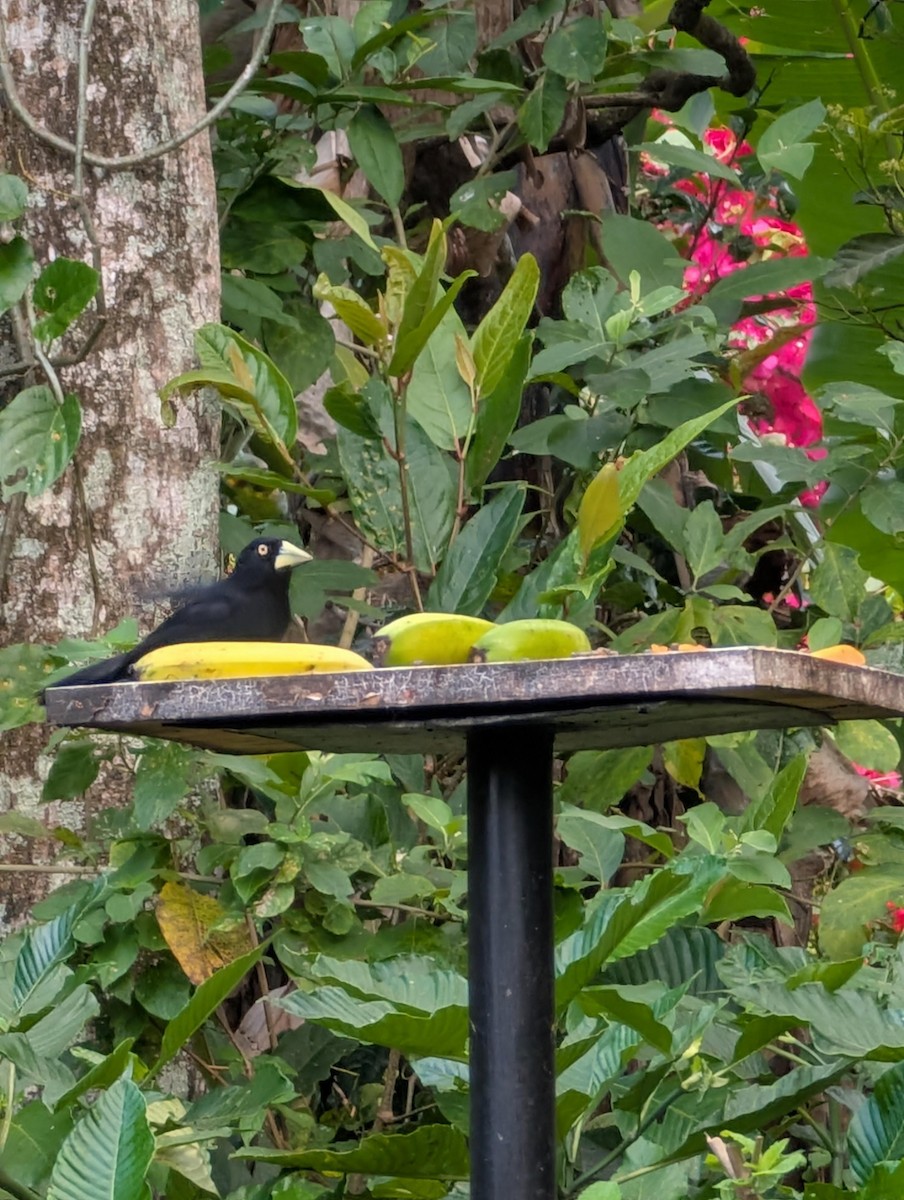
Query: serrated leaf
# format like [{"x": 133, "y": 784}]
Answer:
[
  {"x": 39, "y": 435},
  {"x": 107, "y": 1154},
  {"x": 376, "y": 150}
]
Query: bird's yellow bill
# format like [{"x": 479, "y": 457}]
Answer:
[{"x": 289, "y": 556}]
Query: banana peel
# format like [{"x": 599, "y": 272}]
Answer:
[{"x": 242, "y": 660}]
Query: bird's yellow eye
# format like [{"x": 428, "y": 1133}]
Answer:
[{"x": 263, "y": 550}]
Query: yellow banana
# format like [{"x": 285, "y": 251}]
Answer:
[
  {"x": 427, "y": 639},
  {"x": 240, "y": 660},
  {"x": 534, "y": 638}
]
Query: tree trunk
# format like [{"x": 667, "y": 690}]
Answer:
[{"x": 139, "y": 504}]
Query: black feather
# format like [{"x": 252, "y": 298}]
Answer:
[{"x": 250, "y": 605}]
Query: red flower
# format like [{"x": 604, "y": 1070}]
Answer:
[{"x": 897, "y": 916}]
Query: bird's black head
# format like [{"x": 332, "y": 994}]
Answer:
[{"x": 268, "y": 555}]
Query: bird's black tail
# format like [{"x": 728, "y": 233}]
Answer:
[{"x": 108, "y": 670}]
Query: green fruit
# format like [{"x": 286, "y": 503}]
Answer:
[
  {"x": 530, "y": 639},
  {"x": 427, "y": 639}
]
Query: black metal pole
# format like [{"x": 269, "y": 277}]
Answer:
[{"x": 510, "y": 953}]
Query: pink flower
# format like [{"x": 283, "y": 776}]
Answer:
[
  {"x": 897, "y": 916},
  {"x": 886, "y": 779},
  {"x": 725, "y": 145}
]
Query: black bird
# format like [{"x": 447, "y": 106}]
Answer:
[{"x": 250, "y": 605}]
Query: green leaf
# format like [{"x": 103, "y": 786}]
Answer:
[
  {"x": 496, "y": 337},
  {"x": 876, "y": 1131},
  {"x": 162, "y": 780},
  {"x": 683, "y": 958},
  {"x": 437, "y": 397},
  {"x": 476, "y": 203},
  {"x": 63, "y": 290},
  {"x": 301, "y": 348},
  {"x": 770, "y": 277},
  {"x": 468, "y": 572},
  {"x": 869, "y": 744},
  {"x": 704, "y": 540},
  {"x": 410, "y": 345},
  {"x": 17, "y": 266},
  {"x": 39, "y": 435},
  {"x": 599, "y": 845},
  {"x": 688, "y": 159},
  {"x": 107, "y": 1155},
  {"x": 622, "y": 923},
  {"x": 850, "y": 910},
  {"x": 736, "y": 900},
  {"x": 376, "y": 151},
  {"x": 497, "y": 415},
  {"x": 352, "y": 218},
  {"x": 644, "y": 464},
  {"x": 361, "y": 319},
  {"x": 372, "y": 476},
  {"x": 636, "y": 245},
  {"x": 44, "y": 947},
  {"x": 13, "y": 197},
  {"x": 577, "y": 50},
  {"x": 617, "y": 1005},
  {"x": 71, "y": 773},
  {"x": 838, "y": 585},
  {"x": 775, "y": 809},
  {"x": 597, "y": 778},
  {"x": 542, "y": 113},
  {"x": 248, "y": 382},
  {"x": 207, "y": 998},
  {"x": 862, "y": 255},
  {"x": 431, "y": 1152},
  {"x": 33, "y": 1143},
  {"x": 782, "y": 148},
  {"x": 102, "y": 1074},
  {"x": 882, "y": 503}
]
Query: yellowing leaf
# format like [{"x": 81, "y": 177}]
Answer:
[
  {"x": 600, "y": 509},
  {"x": 684, "y": 761},
  {"x": 195, "y": 928},
  {"x": 354, "y": 311},
  {"x": 464, "y": 360}
]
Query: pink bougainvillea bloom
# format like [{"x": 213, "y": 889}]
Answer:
[
  {"x": 885, "y": 779},
  {"x": 897, "y": 916}
]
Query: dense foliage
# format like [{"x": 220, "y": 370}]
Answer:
[{"x": 744, "y": 319}]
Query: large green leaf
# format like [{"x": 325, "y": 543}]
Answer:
[
  {"x": 206, "y": 1000},
  {"x": 437, "y": 396},
  {"x": 622, "y": 923},
  {"x": 859, "y": 902},
  {"x": 468, "y": 573},
  {"x": 401, "y": 1003},
  {"x": 376, "y": 150},
  {"x": 498, "y": 334},
  {"x": 540, "y": 116},
  {"x": 846, "y": 1022},
  {"x": 372, "y": 475},
  {"x": 774, "y": 810},
  {"x": 497, "y": 415},
  {"x": 17, "y": 266},
  {"x": 107, "y": 1155},
  {"x": 876, "y": 1132},
  {"x": 39, "y": 436},
  {"x": 44, "y": 947},
  {"x": 431, "y": 1152}
]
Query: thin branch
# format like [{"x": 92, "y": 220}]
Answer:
[
  {"x": 81, "y": 108},
  {"x": 122, "y": 162},
  {"x": 263, "y": 984}
]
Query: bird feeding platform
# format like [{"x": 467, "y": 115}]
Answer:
[{"x": 510, "y": 719}]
